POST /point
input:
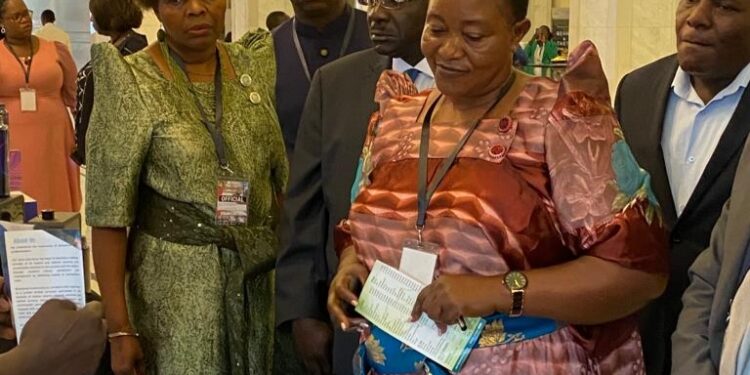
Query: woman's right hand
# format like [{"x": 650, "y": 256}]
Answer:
[
  {"x": 127, "y": 356},
  {"x": 350, "y": 276}
]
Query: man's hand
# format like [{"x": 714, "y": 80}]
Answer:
[
  {"x": 63, "y": 340},
  {"x": 312, "y": 340},
  {"x": 6, "y": 323}
]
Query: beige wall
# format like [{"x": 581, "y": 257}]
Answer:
[
  {"x": 628, "y": 33},
  {"x": 73, "y": 17},
  {"x": 251, "y": 14}
]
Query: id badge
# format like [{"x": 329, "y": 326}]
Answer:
[
  {"x": 232, "y": 197},
  {"x": 28, "y": 100},
  {"x": 419, "y": 260}
]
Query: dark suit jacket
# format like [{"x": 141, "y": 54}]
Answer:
[
  {"x": 329, "y": 143},
  {"x": 291, "y": 83},
  {"x": 715, "y": 277},
  {"x": 641, "y": 104}
]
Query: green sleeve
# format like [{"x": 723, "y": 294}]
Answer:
[
  {"x": 259, "y": 45},
  {"x": 118, "y": 141}
]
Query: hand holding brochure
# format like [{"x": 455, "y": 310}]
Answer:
[{"x": 387, "y": 300}]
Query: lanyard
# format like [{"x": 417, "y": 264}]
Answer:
[
  {"x": 425, "y": 193},
  {"x": 215, "y": 128},
  {"x": 26, "y": 68},
  {"x": 344, "y": 44}
]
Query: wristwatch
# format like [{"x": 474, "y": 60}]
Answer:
[{"x": 516, "y": 283}]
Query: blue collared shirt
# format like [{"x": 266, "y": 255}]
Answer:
[
  {"x": 425, "y": 80},
  {"x": 692, "y": 130}
]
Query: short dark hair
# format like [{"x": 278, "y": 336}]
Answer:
[
  {"x": 148, "y": 4},
  {"x": 275, "y": 19},
  {"x": 48, "y": 16},
  {"x": 116, "y": 15}
]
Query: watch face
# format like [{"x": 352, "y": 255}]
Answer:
[{"x": 515, "y": 280}]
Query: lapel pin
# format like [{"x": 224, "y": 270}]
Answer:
[{"x": 246, "y": 80}]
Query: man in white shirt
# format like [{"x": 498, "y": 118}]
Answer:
[
  {"x": 686, "y": 118},
  {"x": 329, "y": 143},
  {"x": 50, "y": 31}
]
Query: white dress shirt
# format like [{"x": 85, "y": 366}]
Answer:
[
  {"x": 54, "y": 34},
  {"x": 735, "y": 353},
  {"x": 692, "y": 130},
  {"x": 426, "y": 79}
]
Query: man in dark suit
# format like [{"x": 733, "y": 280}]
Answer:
[
  {"x": 321, "y": 32},
  {"x": 698, "y": 343},
  {"x": 329, "y": 143},
  {"x": 686, "y": 118}
]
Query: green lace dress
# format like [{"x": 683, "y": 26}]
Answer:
[{"x": 200, "y": 308}]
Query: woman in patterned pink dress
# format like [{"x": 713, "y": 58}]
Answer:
[{"x": 545, "y": 187}]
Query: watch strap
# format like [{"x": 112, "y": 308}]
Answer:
[{"x": 516, "y": 309}]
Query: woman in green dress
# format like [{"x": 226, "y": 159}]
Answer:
[
  {"x": 185, "y": 150},
  {"x": 540, "y": 51}
]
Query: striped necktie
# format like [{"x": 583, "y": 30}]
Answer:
[{"x": 413, "y": 74}]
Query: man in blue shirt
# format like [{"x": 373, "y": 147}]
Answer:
[
  {"x": 320, "y": 32},
  {"x": 686, "y": 118}
]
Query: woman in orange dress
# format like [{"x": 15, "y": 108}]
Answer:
[{"x": 45, "y": 73}]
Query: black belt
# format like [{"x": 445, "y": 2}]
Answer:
[{"x": 184, "y": 223}]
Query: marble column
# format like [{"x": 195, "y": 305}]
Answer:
[
  {"x": 628, "y": 33},
  {"x": 540, "y": 13}
]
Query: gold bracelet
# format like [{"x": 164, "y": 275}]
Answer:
[{"x": 115, "y": 335}]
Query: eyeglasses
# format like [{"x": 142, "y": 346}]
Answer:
[
  {"x": 20, "y": 16},
  {"x": 388, "y": 4}
]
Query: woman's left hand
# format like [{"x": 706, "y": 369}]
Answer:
[{"x": 450, "y": 297}]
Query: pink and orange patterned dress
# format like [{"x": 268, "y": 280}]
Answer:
[{"x": 550, "y": 182}]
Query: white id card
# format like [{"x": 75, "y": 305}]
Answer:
[
  {"x": 28, "y": 100},
  {"x": 232, "y": 202},
  {"x": 419, "y": 261}
]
